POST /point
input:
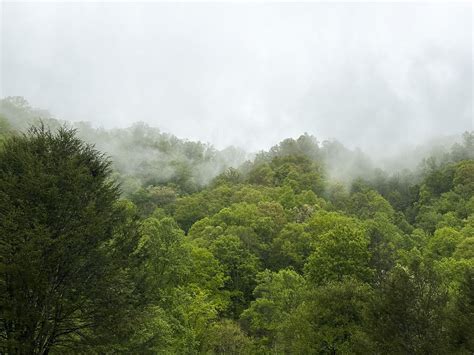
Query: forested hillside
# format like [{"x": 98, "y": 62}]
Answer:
[{"x": 174, "y": 247}]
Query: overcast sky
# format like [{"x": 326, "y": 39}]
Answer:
[{"x": 369, "y": 75}]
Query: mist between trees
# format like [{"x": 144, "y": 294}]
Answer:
[
  {"x": 145, "y": 156},
  {"x": 173, "y": 246}
]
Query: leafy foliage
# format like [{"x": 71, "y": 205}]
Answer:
[
  {"x": 149, "y": 255},
  {"x": 64, "y": 244}
]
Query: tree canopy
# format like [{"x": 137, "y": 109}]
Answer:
[{"x": 272, "y": 256}]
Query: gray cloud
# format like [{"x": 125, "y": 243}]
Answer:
[{"x": 369, "y": 75}]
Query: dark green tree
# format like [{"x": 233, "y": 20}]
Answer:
[
  {"x": 461, "y": 316},
  {"x": 409, "y": 312},
  {"x": 64, "y": 246},
  {"x": 331, "y": 320}
]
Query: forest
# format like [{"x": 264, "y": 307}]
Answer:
[{"x": 135, "y": 241}]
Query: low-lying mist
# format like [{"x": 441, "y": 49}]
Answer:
[{"x": 145, "y": 156}]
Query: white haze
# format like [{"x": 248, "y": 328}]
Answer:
[{"x": 374, "y": 76}]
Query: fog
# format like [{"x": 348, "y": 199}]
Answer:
[{"x": 374, "y": 76}]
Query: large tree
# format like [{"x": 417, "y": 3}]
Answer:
[{"x": 65, "y": 245}]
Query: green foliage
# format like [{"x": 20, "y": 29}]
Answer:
[
  {"x": 20, "y": 115},
  {"x": 64, "y": 278},
  {"x": 444, "y": 243},
  {"x": 295, "y": 171},
  {"x": 277, "y": 296},
  {"x": 332, "y": 320},
  {"x": 240, "y": 266},
  {"x": 291, "y": 247},
  {"x": 342, "y": 251},
  {"x": 153, "y": 197},
  {"x": 272, "y": 257},
  {"x": 408, "y": 313},
  {"x": 367, "y": 204},
  {"x": 255, "y": 225},
  {"x": 5, "y": 130},
  {"x": 465, "y": 150},
  {"x": 461, "y": 316},
  {"x": 385, "y": 239},
  {"x": 161, "y": 246},
  {"x": 464, "y": 178},
  {"x": 226, "y": 337}
]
